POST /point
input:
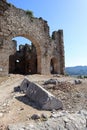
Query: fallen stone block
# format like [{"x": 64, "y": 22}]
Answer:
[
  {"x": 40, "y": 96},
  {"x": 51, "y": 81},
  {"x": 35, "y": 117},
  {"x": 77, "y": 82}
]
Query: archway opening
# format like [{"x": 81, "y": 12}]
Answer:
[
  {"x": 54, "y": 66},
  {"x": 24, "y": 57}
]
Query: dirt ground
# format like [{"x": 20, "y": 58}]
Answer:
[{"x": 15, "y": 106}]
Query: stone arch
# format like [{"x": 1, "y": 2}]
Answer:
[
  {"x": 37, "y": 46},
  {"x": 16, "y": 22},
  {"x": 54, "y": 65}
]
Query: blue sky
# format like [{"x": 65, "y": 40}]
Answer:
[{"x": 69, "y": 15}]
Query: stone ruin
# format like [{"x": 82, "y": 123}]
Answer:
[
  {"x": 44, "y": 56},
  {"x": 24, "y": 61}
]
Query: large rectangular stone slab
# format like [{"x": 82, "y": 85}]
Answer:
[{"x": 40, "y": 96}]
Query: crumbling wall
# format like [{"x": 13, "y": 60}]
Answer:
[
  {"x": 24, "y": 60},
  {"x": 58, "y": 50},
  {"x": 15, "y": 22}
]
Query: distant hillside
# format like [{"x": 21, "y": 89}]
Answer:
[{"x": 77, "y": 70}]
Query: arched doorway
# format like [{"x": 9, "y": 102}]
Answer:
[
  {"x": 24, "y": 57},
  {"x": 54, "y": 66}
]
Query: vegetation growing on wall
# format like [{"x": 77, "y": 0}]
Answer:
[
  {"x": 9, "y": 4},
  {"x": 29, "y": 13}
]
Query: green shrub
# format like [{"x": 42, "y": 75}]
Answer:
[
  {"x": 66, "y": 74},
  {"x": 9, "y": 4},
  {"x": 80, "y": 76},
  {"x": 85, "y": 76},
  {"x": 29, "y": 13}
]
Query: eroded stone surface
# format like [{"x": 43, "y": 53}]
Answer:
[{"x": 62, "y": 121}]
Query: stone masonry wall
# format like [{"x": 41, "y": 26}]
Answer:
[{"x": 15, "y": 22}]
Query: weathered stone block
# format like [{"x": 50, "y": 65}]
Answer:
[{"x": 40, "y": 96}]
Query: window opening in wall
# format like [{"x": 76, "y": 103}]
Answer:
[
  {"x": 24, "y": 59},
  {"x": 17, "y": 61},
  {"x": 54, "y": 66}
]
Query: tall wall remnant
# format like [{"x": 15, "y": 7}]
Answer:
[{"x": 48, "y": 56}]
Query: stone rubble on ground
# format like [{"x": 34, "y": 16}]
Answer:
[
  {"x": 77, "y": 82},
  {"x": 61, "y": 120},
  {"x": 51, "y": 81},
  {"x": 56, "y": 82},
  {"x": 58, "y": 85}
]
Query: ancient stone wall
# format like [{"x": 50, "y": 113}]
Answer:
[
  {"x": 15, "y": 22},
  {"x": 24, "y": 60}
]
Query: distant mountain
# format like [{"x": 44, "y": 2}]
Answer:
[{"x": 77, "y": 70}]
